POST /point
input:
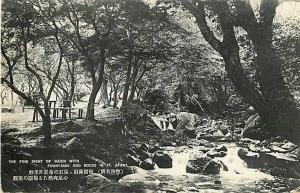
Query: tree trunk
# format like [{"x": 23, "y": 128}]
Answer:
[
  {"x": 281, "y": 111},
  {"x": 128, "y": 77},
  {"x": 104, "y": 94},
  {"x": 133, "y": 78},
  {"x": 115, "y": 97},
  {"x": 90, "y": 112},
  {"x": 46, "y": 127}
]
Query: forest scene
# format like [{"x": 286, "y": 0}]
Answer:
[{"x": 160, "y": 96}]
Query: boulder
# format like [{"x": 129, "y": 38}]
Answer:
[
  {"x": 221, "y": 148},
  {"x": 187, "y": 122},
  {"x": 75, "y": 145},
  {"x": 132, "y": 170},
  {"x": 96, "y": 180},
  {"x": 154, "y": 149},
  {"x": 254, "y": 128},
  {"x": 147, "y": 164},
  {"x": 132, "y": 161},
  {"x": 162, "y": 160},
  {"x": 190, "y": 132},
  {"x": 144, "y": 155},
  {"x": 197, "y": 162},
  {"x": 212, "y": 167},
  {"x": 144, "y": 147},
  {"x": 213, "y": 153},
  {"x": 139, "y": 178}
]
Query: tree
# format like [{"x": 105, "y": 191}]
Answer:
[
  {"x": 28, "y": 30},
  {"x": 90, "y": 27},
  {"x": 271, "y": 99}
]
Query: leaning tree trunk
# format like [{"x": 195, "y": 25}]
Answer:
[
  {"x": 271, "y": 100},
  {"x": 282, "y": 116}
]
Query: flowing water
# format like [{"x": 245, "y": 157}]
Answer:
[{"x": 238, "y": 178}]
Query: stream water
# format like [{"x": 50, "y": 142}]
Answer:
[{"x": 238, "y": 178}]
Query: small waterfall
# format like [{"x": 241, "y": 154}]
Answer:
[
  {"x": 180, "y": 159},
  {"x": 237, "y": 168},
  {"x": 162, "y": 123}
]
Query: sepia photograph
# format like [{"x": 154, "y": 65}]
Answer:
[{"x": 150, "y": 96}]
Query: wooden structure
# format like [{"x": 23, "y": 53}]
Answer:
[{"x": 65, "y": 110}]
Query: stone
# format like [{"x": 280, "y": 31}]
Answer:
[
  {"x": 218, "y": 182},
  {"x": 212, "y": 167},
  {"x": 190, "y": 132},
  {"x": 144, "y": 147},
  {"x": 75, "y": 145},
  {"x": 221, "y": 148},
  {"x": 96, "y": 180},
  {"x": 139, "y": 178},
  {"x": 162, "y": 160},
  {"x": 154, "y": 149},
  {"x": 202, "y": 148},
  {"x": 132, "y": 161},
  {"x": 147, "y": 164},
  {"x": 213, "y": 154},
  {"x": 23, "y": 155},
  {"x": 197, "y": 162},
  {"x": 144, "y": 155},
  {"x": 254, "y": 128},
  {"x": 190, "y": 118}
]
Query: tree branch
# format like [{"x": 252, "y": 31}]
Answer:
[{"x": 199, "y": 14}]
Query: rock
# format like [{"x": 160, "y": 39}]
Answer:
[
  {"x": 144, "y": 155},
  {"x": 253, "y": 121},
  {"x": 132, "y": 170},
  {"x": 244, "y": 154},
  {"x": 190, "y": 118},
  {"x": 212, "y": 154},
  {"x": 162, "y": 160},
  {"x": 23, "y": 155},
  {"x": 212, "y": 167},
  {"x": 218, "y": 133},
  {"x": 132, "y": 161},
  {"x": 254, "y": 128},
  {"x": 218, "y": 182},
  {"x": 296, "y": 153},
  {"x": 139, "y": 178},
  {"x": 89, "y": 158},
  {"x": 221, "y": 148},
  {"x": 190, "y": 132},
  {"x": 238, "y": 130},
  {"x": 202, "y": 148},
  {"x": 96, "y": 180},
  {"x": 154, "y": 149},
  {"x": 288, "y": 145},
  {"x": 147, "y": 164},
  {"x": 170, "y": 191},
  {"x": 75, "y": 145},
  {"x": 197, "y": 162},
  {"x": 131, "y": 152},
  {"x": 144, "y": 147}
]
